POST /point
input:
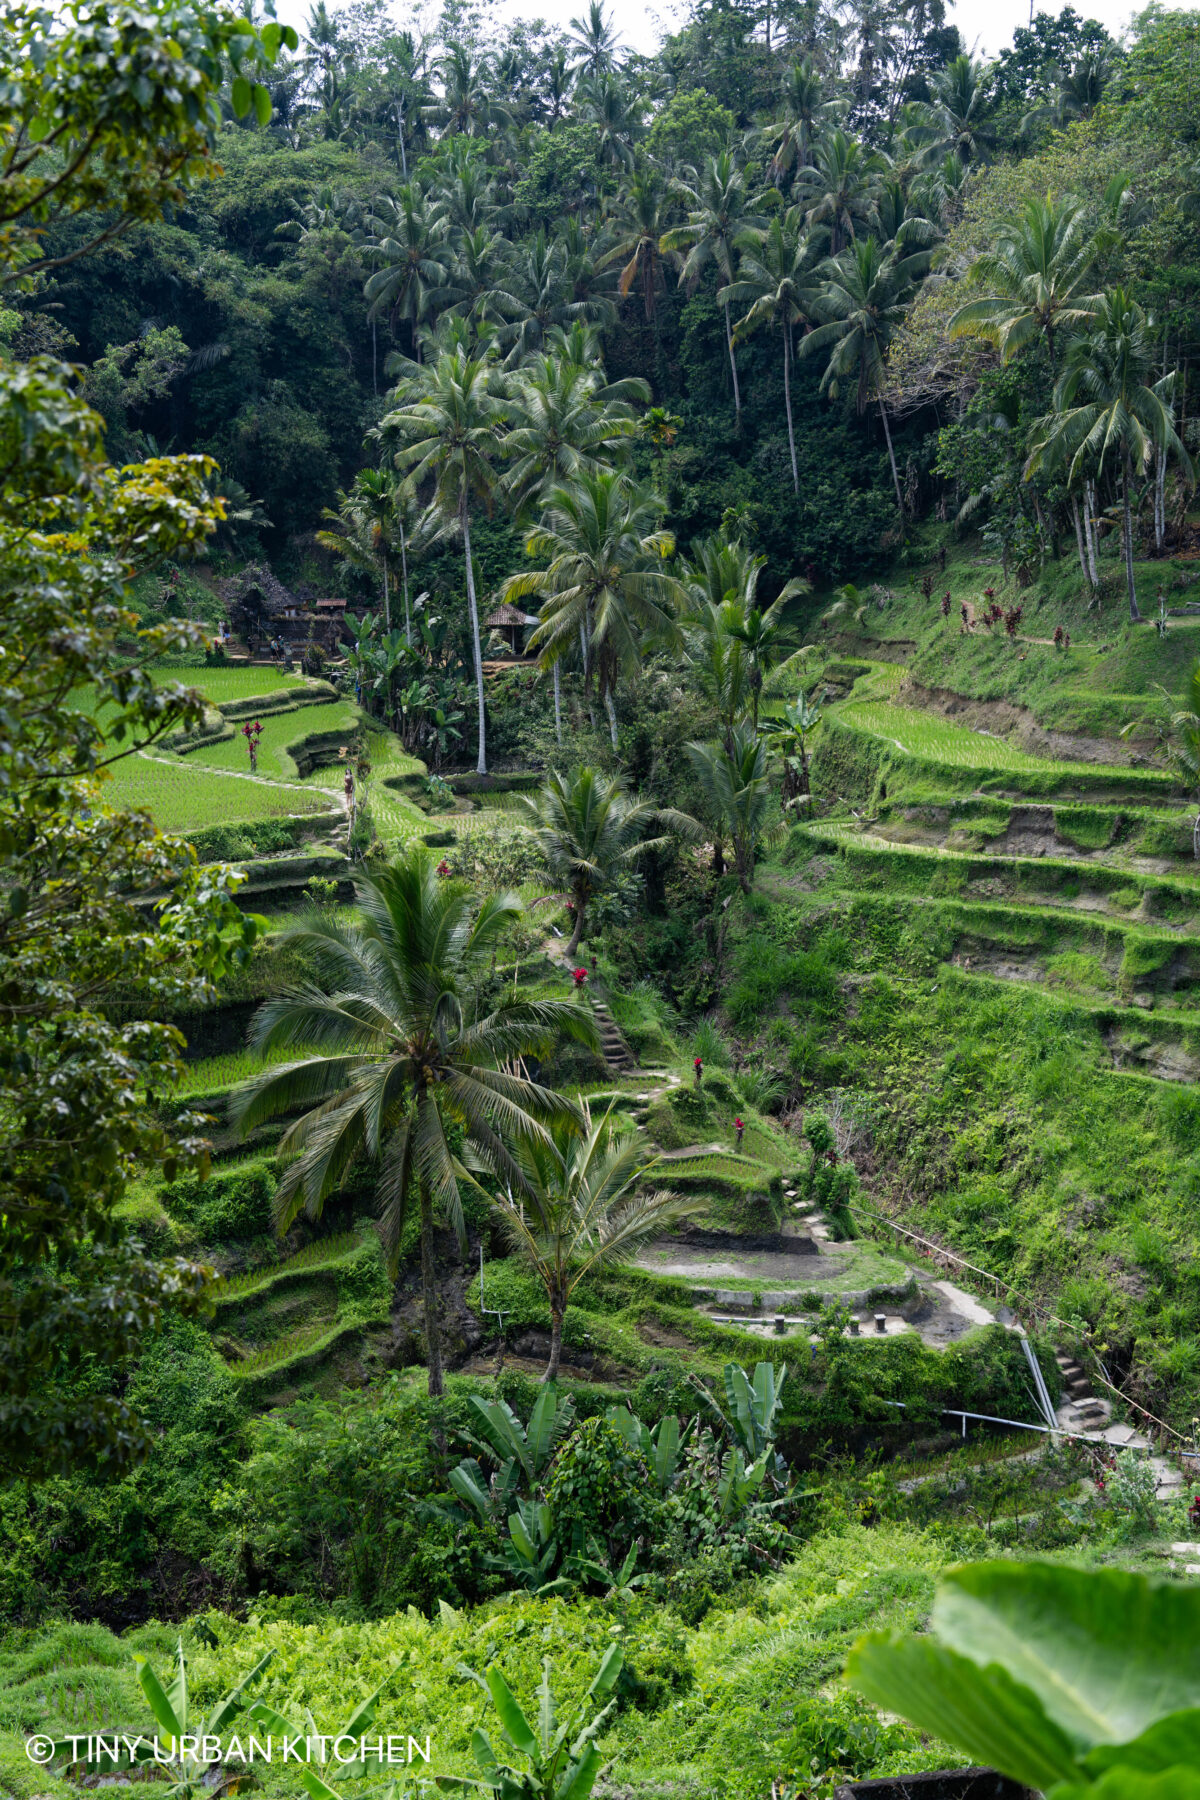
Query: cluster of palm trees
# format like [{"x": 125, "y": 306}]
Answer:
[
  {"x": 406, "y": 1060},
  {"x": 1111, "y": 422}
]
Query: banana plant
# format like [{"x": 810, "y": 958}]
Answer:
[
  {"x": 560, "y": 1758},
  {"x": 360, "y": 1721},
  {"x": 618, "y": 1584},
  {"x": 175, "y": 1720},
  {"x": 739, "y": 1484},
  {"x": 509, "y": 1441},
  {"x": 532, "y": 1551},
  {"x": 660, "y": 1447},
  {"x": 1083, "y": 1684}
]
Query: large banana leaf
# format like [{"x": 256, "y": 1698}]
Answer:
[{"x": 520, "y": 1732}]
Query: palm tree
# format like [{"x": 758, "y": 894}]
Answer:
[
  {"x": 397, "y": 1055},
  {"x": 957, "y": 112},
  {"x": 1036, "y": 272},
  {"x": 565, "y": 418},
  {"x": 839, "y": 186},
  {"x": 804, "y": 110},
  {"x": 1080, "y": 91},
  {"x": 736, "y": 784},
  {"x": 638, "y": 227},
  {"x": 718, "y": 213},
  {"x": 603, "y": 585},
  {"x": 450, "y": 420},
  {"x": 774, "y": 284},
  {"x": 369, "y": 529},
  {"x": 790, "y": 733},
  {"x": 1107, "y": 407},
  {"x": 581, "y": 1210},
  {"x": 412, "y": 254},
  {"x": 862, "y": 301},
  {"x": 588, "y": 831},
  {"x": 607, "y": 103},
  {"x": 595, "y": 40},
  {"x": 767, "y": 636}
]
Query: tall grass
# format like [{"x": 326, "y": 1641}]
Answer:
[{"x": 326, "y": 1253}]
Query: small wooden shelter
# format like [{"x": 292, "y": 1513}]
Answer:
[{"x": 509, "y": 620}]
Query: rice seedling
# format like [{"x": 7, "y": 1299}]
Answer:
[
  {"x": 937, "y": 739},
  {"x": 182, "y": 796},
  {"x": 281, "y": 1351},
  {"x": 212, "y": 1073},
  {"x": 326, "y": 1253}
]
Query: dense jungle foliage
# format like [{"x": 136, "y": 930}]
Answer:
[{"x": 599, "y": 753}]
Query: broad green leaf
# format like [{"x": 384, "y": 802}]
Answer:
[
  {"x": 541, "y": 1427},
  {"x": 1101, "y": 1648},
  {"x": 156, "y": 1700},
  {"x": 1121, "y": 1783},
  {"x": 580, "y": 1778},
  {"x": 240, "y": 96},
  {"x": 466, "y": 1480},
  {"x": 481, "y": 1750},
  {"x": 984, "y": 1711},
  {"x": 521, "y": 1538},
  {"x": 1169, "y": 1743},
  {"x": 314, "y": 1785},
  {"x": 547, "y": 1716},
  {"x": 511, "y": 1717},
  {"x": 610, "y": 1668},
  {"x": 177, "y": 1693},
  {"x": 666, "y": 1450},
  {"x": 232, "y": 1703},
  {"x": 272, "y": 37},
  {"x": 262, "y": 103}
]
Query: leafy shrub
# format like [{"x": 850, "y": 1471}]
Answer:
[
  {"x": 1179, "y": 1110},
  {"x": 600, "y": 1487},
  {"x": 832, "y": 1741},
  {"x": 233, "y": 1204}
]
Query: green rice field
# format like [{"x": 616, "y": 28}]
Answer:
[
  {"x": 220, "y": 685},
  {"x": 184, "y": 796},
  {"x": 280, "y": 730},
  {"x": 936, "y": 739}
]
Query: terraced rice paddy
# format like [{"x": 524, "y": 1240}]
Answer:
[
  {"x": 279, "y": 731},
  {"x": 937, "y": 739},
  {"x": 184, "y": 796}
]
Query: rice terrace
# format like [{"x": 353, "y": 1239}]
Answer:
[{"x": 600, "y": 904}]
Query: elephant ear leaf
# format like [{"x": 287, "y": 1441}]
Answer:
[
  {"x": 1105, "y": 1651},
  {"x": 1120, "y": 1783},
  {"x": 982, "y": 1711},
  {"x": 1170, "y": 1743}
]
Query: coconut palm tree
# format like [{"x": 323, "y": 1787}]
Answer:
[
  {"x": 638, "y": 225},
  {"x": 560, "y": 424},
  {"x": 1108, "y": 408},
  {"x": 804, "y": 110},
  {"x": 409, "y": 245},
  {"x": 588, "y": 831},
  {"x": 1036, "y": 273},
  {"x": 958, "y": 112},
  {"x": 581, "y": 1210},
  {"x": 448, "y": 425},
  {"x": 838, "y": 187},
  {"x": 719, "y": 211},
  {"x": 775, "y": 285},
  {"x": 595, "y": 40},
  {"x": 369, "y": 533},
  {"x": 736, "y": 784},
  {"x": 603, "y": 584},
  {"x": 397, "y": 1055},
  {"x": 862, "y": 302}
]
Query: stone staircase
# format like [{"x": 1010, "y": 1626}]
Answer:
[
  {"x": 616, "y": 1052},
  {"x": 1086, "y": 1411}
]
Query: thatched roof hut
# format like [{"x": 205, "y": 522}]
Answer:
[{"x": 509, "y": 620}]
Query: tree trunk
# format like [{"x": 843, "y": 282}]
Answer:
[
  {"x": 737, "y": 394},
  {"x": 787, "y": 400},
  {"x": 887, "y": 432},
  {"x": 611, "y": 710},
  {"x": 1078, "y": 523},
  {"x": 1127, "y": 533},
  {"x": 465, "y": 515},
  {"x": 556, "y": 1338},
  {"x": 1091, "y": 536},
  {"x": 404, "y": 578},
  {"x": 387, "y": 601},
  {"x": 429, "y": 1295},
  {"x": 558, "y": 705},
  {"x": 573, "y": 946},
  {"x": 1160, "y": 499}
]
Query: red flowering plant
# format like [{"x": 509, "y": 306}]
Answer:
[
  {"x": 443, "y": 867},
  {"x": 579, "y": 977},
  {"x": 252, "y": 733}
]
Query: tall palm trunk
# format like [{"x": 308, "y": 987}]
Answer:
[
  {"x": 737, "y": 393},
  {"x": 787, "y": 400},
  {"x": 556, "y": 1338},
  {"x": 465, "y": 516},
  {"x": 429, "y": 1295},
  {"x": 1091, "y": 537},
  {"x": 387, "y": 603},
  {"x": 887, "y": 432},
  {"x": 1078, "y": 523},
  {"x": 558, "y": 705},
  {"x": 1127, "y": 532},
  {"x": 580, "y": 909},
  {"x": 610, "y": 709},
  {"x": 404, "y": 578}
]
